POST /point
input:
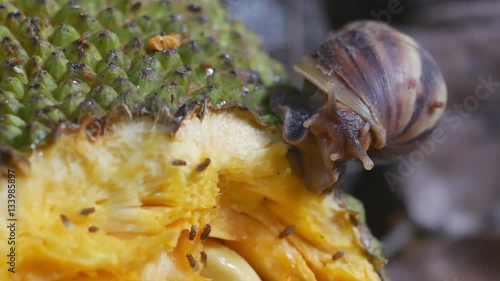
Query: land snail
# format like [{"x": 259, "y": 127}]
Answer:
[{"x": 369, "y": 92}]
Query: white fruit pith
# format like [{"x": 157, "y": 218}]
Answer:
[{"x": 121, "y": 207}]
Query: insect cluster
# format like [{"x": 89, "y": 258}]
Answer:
[{"x": 370, "y": 91}]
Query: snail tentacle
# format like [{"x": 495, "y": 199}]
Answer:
[
  {"x": 370, "y": 91},
  {"x": 344, "y": 134}
]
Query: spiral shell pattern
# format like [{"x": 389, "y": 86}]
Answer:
[{"x": 384, "y": 76}]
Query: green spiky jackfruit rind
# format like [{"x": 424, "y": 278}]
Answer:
[{"x": 65, "y": 60}]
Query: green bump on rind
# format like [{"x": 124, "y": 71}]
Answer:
[
  {"x": 110, "y": 17},
  {"x": 104, "y": 95},
  {"x": 56, "y": 64},
  {"x": 64, "y": 60},
  {"x": 63, "y": 35},
  {"x": 71, "y": 103}
]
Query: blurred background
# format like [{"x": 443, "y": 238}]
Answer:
[{"x": 440, "y": 221}]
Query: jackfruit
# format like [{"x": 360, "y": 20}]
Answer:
[{"x": 137, "y": 144}]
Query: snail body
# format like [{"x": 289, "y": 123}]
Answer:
[{"x": 370, "y": 90}]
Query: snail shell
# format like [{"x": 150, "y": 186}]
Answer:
[{"x": 370, "y": 88}]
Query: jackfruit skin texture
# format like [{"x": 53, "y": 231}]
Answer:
[
  {"x": 81, "y": 90},
  {"x": 65, "y": 61}
]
